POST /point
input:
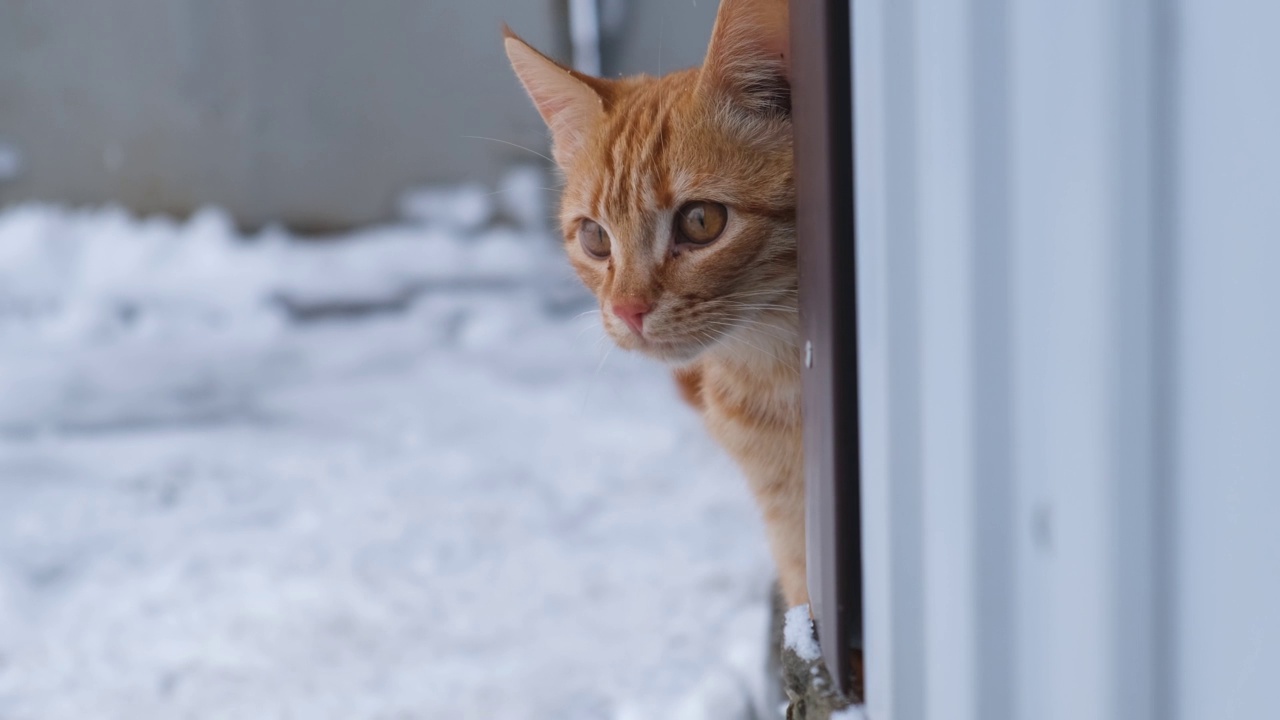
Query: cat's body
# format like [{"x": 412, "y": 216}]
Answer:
[
  {"x": 679, "y": 214},
  {"x": 751, "y": 405}
]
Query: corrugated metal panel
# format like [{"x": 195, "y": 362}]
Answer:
[
  {"x": 1069, "y": 230},
  {"x": 1009, "y": 195}
]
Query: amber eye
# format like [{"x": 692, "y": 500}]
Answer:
[
  {"x": 701, "y": 222},
  {"x": 594, "y": 240}
]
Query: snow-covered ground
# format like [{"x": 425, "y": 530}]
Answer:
[{"x": 394, "y": 475}]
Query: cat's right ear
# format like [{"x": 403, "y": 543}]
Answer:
[
  {"x": 749, "y": 60},
  {"x": 569, "y": 102}
]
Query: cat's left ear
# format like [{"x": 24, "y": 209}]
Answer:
[
  {"x": 749, "y": 59},
  {"x": 571, "y": 103}
]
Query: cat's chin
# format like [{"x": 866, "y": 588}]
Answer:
[
  {"x": 671, "y": 353},
  {"x": 676, "y": 356}
]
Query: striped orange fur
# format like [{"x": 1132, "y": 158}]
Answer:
[{"x": 640, "y": 155}]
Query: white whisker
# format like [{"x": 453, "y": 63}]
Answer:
[
  {"x": 762, "y": 306},
  {"x": 753, "y": 324},
  {"x": 508, "y": 142},
  {"x": 502, "y": 190},
  {"x": 586, "y": 328},
  {"x": 738, "y": 338},
  {"x": 592, "y": 382}
]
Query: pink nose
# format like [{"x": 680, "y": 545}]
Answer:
[{"x": 632, "y": 311}]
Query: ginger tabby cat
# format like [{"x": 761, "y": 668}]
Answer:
[{"x": 679, "y": 214}]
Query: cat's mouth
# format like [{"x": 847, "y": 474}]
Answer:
[{"x": 671, "y": 343}]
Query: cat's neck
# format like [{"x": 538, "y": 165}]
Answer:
[
  {"x": 769, "y": 342},
  {"x": 763, "y": 360}
]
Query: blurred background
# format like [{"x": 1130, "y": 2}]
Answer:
[
  {"x": 314, "y": 114},
  {"x": 302, "y": 414}
]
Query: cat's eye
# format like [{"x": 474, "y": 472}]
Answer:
[
  {"x": 700, "y": 222},
  {"x": 594, "y": 240}
]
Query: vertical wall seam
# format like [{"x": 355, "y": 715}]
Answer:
[
  {"x": 1165, "y": 171},
  {"x": 992, "y": 406}
]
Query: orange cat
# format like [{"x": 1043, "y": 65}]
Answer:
[{"x": 679, "y": 214}]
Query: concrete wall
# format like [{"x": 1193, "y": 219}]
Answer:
[{"x": 313, "y": 112}]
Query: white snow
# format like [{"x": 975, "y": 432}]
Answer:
[
  {"x": 464, "y": 208},
  {"x": 387, "y": 476},
  {"x": 798, "y": 635}
]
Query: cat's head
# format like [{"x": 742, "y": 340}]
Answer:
[{"x": 679, "y": 207}]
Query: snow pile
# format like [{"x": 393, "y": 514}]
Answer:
[
  {"x": 465, "y": 208},
  {"x": 798, "y": 635},
  {"x": 392, "y": 475},
  {"x": 100, "y": 273}
]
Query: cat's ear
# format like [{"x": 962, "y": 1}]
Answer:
[
  {"x": 571, "y": 103},
  {"x": 749, "y": 59}
]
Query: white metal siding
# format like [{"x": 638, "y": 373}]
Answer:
[
  {"x": 1227, "y": 341},
  {"x": 1069, "y": 267}
]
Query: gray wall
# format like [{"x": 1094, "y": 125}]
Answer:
[
  {"x": 655, "y": 36},
  {"x": 313, "y": 112}
]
